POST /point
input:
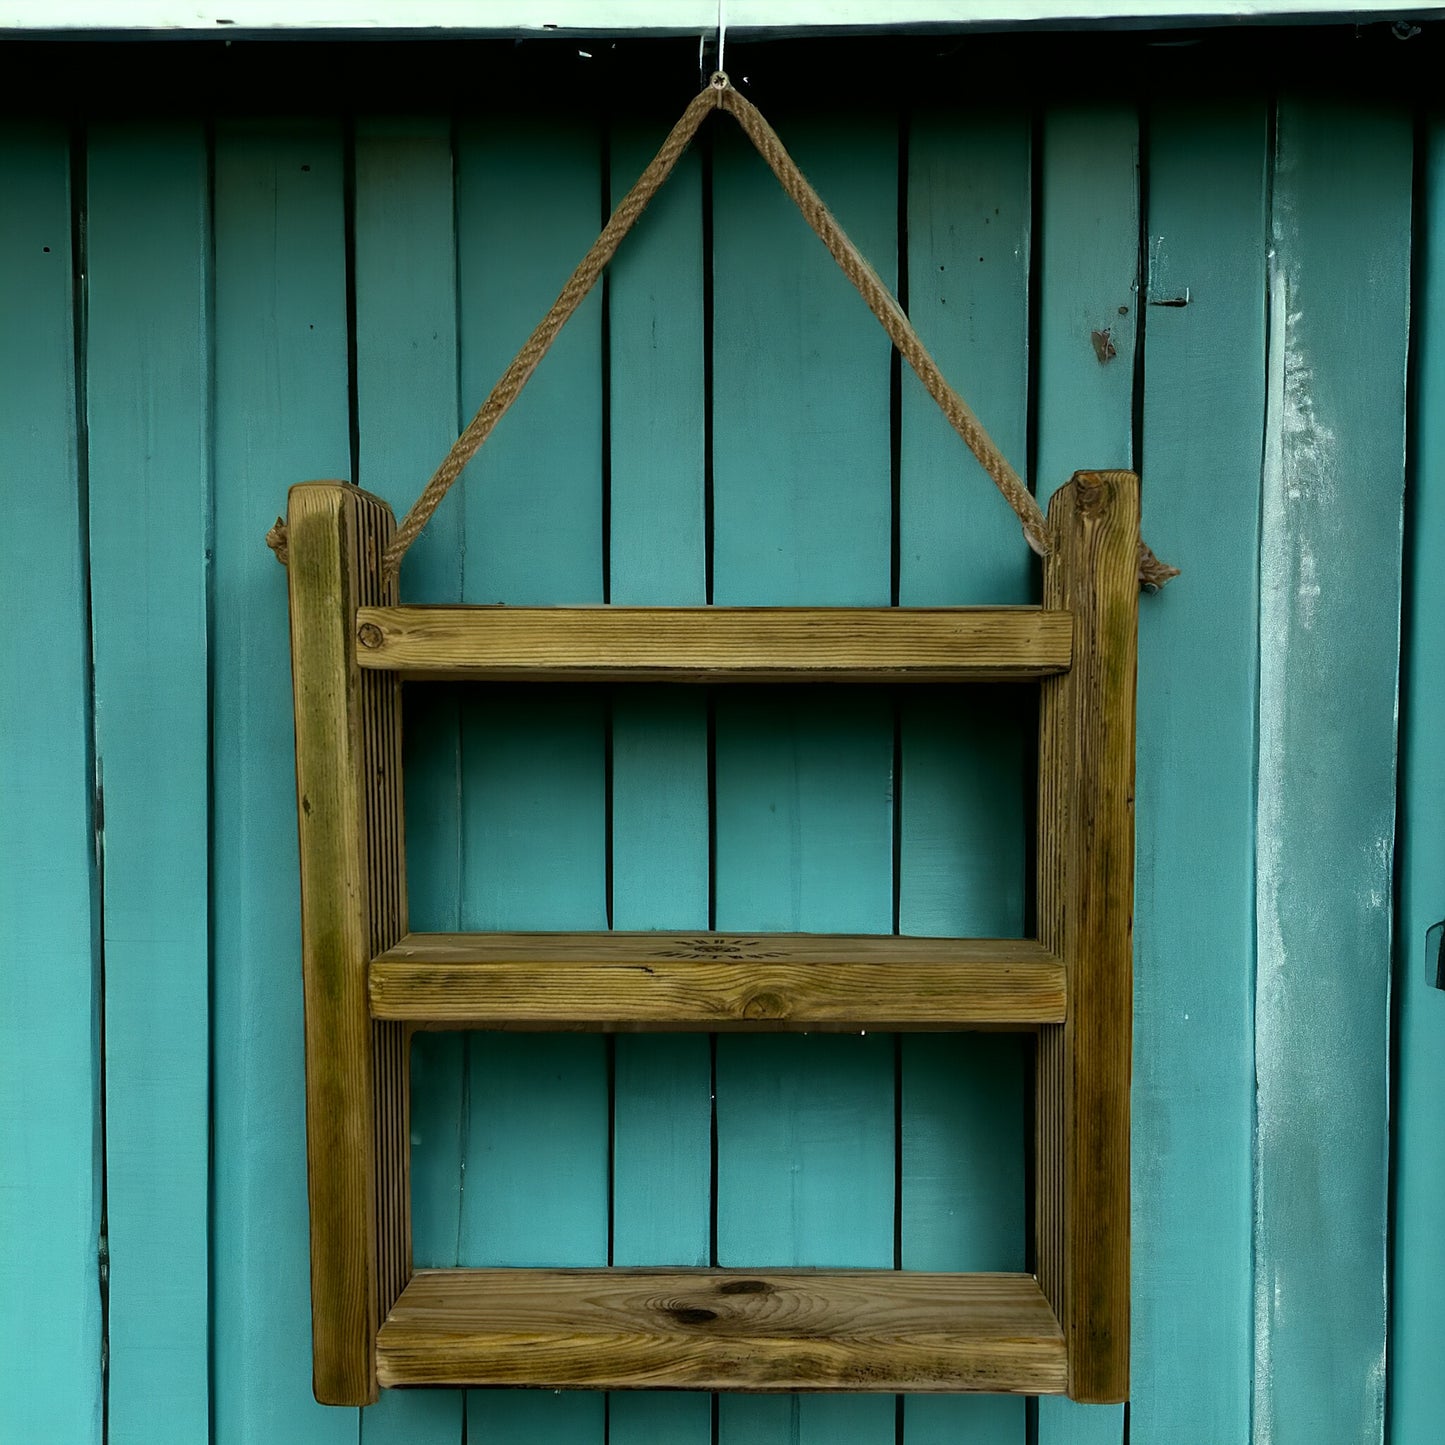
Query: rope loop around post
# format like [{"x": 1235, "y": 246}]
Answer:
[{"x": 719, "y": 94}]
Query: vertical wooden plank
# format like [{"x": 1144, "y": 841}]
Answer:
[
  {"x": 407, "y": 416},
  {"x": 534, "y": 790},
  {"x": 147, "y": 389},
  {"x": 1329, "y": 624},
  {"x": 50, "y": 1180},
  {"x": 804, "y": 784},
  {"x": 1087, "y": 240},
  {"x": 353, "y": 905},
  {"x": 1085, "y": 903},
  {"x": 1194, "y": 910},
  {"x": 280, "y": 415},
  {"x": 1417, "y": 1305},
  {"x": 962, "y": 834},
  {"x": 662, "y": 1086}
]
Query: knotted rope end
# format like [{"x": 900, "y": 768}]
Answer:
[
  {"x": 276, "y": 540},
  {"x": 1153, "y": 574}
]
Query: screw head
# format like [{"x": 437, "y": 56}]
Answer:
[{"x": 369, "y": 635}]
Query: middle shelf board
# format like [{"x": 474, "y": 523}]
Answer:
[
  {"x": 705, "y": 982},
  {"x": 717, "y": 644}
]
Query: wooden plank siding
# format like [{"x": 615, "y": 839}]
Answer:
[
  {"x": 1417, "y": 1308},
  {"x": 1330, "y": 557},
  {"x": 1212, "y": 288},
  {"x": 1088, "y": 235},
  {"x": 51, "y": 1166},
  {"x": 804, "y": 812},
  {"x": 966, "y": 756},
  {"x": 1194, "y": 916},
  {"x": 148, "y": 423},
  {"x": 407, "y": 411},
  {"x": 281, "y": 410}
]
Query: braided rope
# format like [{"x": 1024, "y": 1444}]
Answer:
[{"x": 719, "y": 95}]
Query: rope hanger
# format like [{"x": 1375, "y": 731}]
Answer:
[{"x": 719, "y": 94}]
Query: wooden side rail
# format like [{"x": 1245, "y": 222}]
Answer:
[
  {"x": 618, "y": 982},
  {"x": 353, "y": 906},
  {"x": 716, "y": 644},
  {"x": 1085, "y": 907}
]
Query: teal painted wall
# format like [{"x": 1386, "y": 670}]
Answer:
[{"x": 197, "y": 309}]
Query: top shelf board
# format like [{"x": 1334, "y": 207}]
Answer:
[{"x": 717, "y": 644}]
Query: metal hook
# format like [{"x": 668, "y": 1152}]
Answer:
[{"x": 722, "y": 40}]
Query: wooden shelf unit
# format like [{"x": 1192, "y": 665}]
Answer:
[{"x": 369, "y": 983}]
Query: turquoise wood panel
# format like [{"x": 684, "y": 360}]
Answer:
[
  {"x": 534, "y": 821},
  {"x": 1417, "y": 1304},
  {"x": 1193, "y": 1104},
  {"x": 804, "y": 810},
  {"x": 281, "y": 416},
  {"x": 407, "y": 416},
  {"x": 662, "y": 1086},
  {"x": 1088, "y": 235},
  {"x": 50, "y": 1166},
  {"x": 148, "y": 415},
  {"x": 1329, "y": 629},
  {"x": 1088, "y": 241},
  {"x": 963, "y": 853}
]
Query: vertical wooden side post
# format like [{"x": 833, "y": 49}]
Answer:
[
  {"x": 1085, "y": 903},
  {"x": 353, "y": 905}
]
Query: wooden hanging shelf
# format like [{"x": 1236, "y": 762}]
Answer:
[{"x": 369, "y": 983}]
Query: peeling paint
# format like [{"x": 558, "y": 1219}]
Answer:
[{"x": 1104, "y": 345}]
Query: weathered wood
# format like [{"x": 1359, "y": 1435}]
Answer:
[
  {"x": 1329, "y": 620},
  {"x": 353, "y": 905},
  {"x": 1417, "y": 1303},
  {"x": 876, "y": 1330},
  {"x": 1085, "y": 901},
  {"x": 716, "y": 644},
  {"x": 757, "y": 982}
]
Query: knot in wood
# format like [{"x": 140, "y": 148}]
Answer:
[
  {"x": 765, "y": 1006},
  {"x": 369, "y": 635}
]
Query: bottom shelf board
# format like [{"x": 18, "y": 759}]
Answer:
[{"x": 712, "y": 1329}]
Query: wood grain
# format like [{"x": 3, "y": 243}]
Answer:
[
  {"x": 716, "y": 644},
  {"x": 1085, "y": 904},
  {"x": 353, "y": 904},
  {"x": 671, "y": 982},
  {"x": 875, "y": 1330}
]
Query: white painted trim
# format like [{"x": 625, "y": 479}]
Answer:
[{"x": 525, "y": 17}]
